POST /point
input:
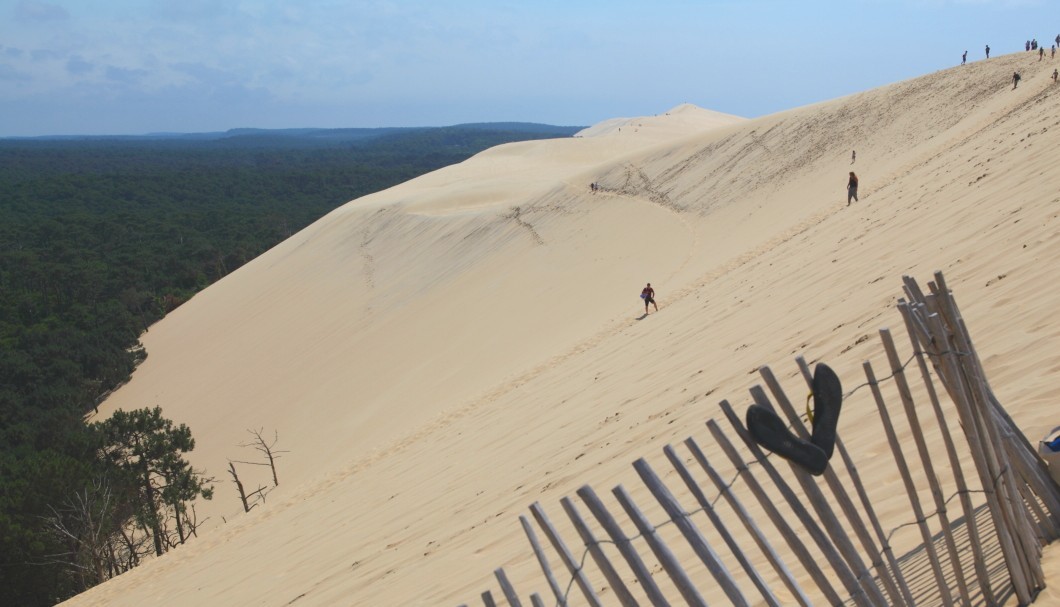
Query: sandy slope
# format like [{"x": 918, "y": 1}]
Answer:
[{"x": 440, "y": 355}]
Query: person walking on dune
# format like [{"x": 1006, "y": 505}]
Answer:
[
  {"x": 852, "y": 188},
  {"x": 964, "y": 58},
  {"x": 648, "y": 295},
  {"x": 853, "y": 156},
  {"x": 1015, "y": 80},
  {"x": 988, "y": 51},
  {"x": 1054, "y": 76}
]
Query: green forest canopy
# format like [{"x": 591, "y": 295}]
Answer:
[{"x": 102, "y": 236}]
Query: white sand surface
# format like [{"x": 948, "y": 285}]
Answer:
[{"x": 438, "y": 356}]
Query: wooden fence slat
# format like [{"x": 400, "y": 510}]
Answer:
[
  {"x": 910, "y": 487},
  {"x": 997, "y": 474},
  {"x": 949, "y": 305},
  {"x": 951, "y": 380},
  {"x": 1026, "y": 467},
  {"x": 831, "y": 553},
  {"x": 597, "y": 553},
  {"x": 660, "y": 549},
  {"x": 978, "y": 558},
  {"x": 1043, "y": 483},
  {"x": 573, "y": 566},
  {"x": 543, "y": 561},
  {"x": 906, "y": 396},
  {"x": 535, "y": 600},
  {"x": 810, "y": 565},
  {"x": 506, "y": 588},
  {"x": 741, "y": 513},
  {"x": 1030, "y": 502},
  {"x": 625, "y": 547},
  {"x": 1012, "y": 506},
  {"x": 719, "y": 526},
  {"x": 866, "y": 501},
  {"x": 692, "y": 534},
  {"x": 487, "y": 599}
]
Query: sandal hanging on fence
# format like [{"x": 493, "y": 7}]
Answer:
[{"x": 769, "y": 431}]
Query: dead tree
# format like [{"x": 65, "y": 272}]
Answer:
[
  {"x": 267, "y": 449},
  {"x": 81, "y": 524},
  {"x": 239, "y": 485},
  {"x": 101, "y": 540}
]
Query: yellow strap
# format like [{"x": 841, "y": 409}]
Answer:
[{"x": 809, "y": 411}]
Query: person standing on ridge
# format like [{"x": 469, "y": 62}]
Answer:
[
  {"x": 988, "y": 51},
  {"x": 964, "y": 58},
  {"x": 648, "y": 295},
  {"x": 852, "y": 188}
]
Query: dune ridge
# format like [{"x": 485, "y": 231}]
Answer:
[{"x": 440, "y": 355}]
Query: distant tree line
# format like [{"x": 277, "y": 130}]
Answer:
[{"x": 101, "y": 237}]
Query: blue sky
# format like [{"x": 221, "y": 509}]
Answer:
[{"x": 141, "y": 66}]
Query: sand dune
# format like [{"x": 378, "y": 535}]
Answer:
[{"x": 440, "y": 355}]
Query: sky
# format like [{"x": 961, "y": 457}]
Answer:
[{"x": 121, "y": 67}]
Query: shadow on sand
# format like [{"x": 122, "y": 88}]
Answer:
[{"x": 919, "y": 575}]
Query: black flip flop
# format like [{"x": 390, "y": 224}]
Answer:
[
  {"x": 827, "y": 400},
  {"x": 769, "y": 431}
]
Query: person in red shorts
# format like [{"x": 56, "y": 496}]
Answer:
[{"x": 648, "y": 295}]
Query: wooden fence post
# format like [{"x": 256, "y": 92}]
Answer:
[
  {"x": 745, "y": 518},
  {"x": 719, "y": 525},
  {"x": 699, "y": 544},
  {"x": 543, "y": 561},
  {"x": 573, "y": 566},
  {"x": 910, "y": 488},
  {"x": 597, "y": 553},
  {"x": 647, "y": 582},
  {"x": 978, "y": 559},
  {"x": 906, "y": 397},
  {"x": 662, "y": 551},
  {"x": 506, "y": 588}
]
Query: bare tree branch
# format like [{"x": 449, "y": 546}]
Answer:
[{"x": 267, "y": 449}]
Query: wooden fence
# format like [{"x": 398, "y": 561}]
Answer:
[{"x": 820, "y": 537}]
